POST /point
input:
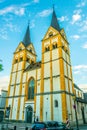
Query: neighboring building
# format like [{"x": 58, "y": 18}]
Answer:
[
  {"x": 2, "y": 103},
  {"x": 83, "y": 88},
  {"x": 85, "y": 96},
  {"x": 44, "y": 89},
  {"x": 81, "y": 105}
]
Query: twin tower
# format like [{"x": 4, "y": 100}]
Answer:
[{"x": 42, "y": 89}]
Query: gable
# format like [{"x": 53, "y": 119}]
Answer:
[
  {"x": 62, "y": 32},
  {"x": 20, "y": 47},
  {"x": 51, "y": 31},
  {"x": 30, "y": 47}
]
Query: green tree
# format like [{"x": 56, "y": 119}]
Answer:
[{"x": 1, "y": 66}]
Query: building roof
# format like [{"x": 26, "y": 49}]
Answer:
[
  {"x": 75, "y": 86},
  {"x": 81, "y": 100},
  {"x": 26, "y": 41},
  {"x": 33, "y": 66},
  {"x": 54, "y": 21}
]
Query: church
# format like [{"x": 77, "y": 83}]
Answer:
[{"x": 42, "y": 89}]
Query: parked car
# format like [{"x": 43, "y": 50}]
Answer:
[
  {"x": 49, "y": 125},
  {"x": 38, "y": 126},
  {"x": 55, "y": 125}
]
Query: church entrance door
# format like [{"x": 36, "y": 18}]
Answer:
[{"x": 29, "y": 114}]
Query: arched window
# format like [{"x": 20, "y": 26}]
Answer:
[
  {"x": 47, "y": 48},
  {"x": 31, "y": 89},
  {"x": 50, "y": 34},
  {"x": 55, "y": 46},
  {"x": 56, "y": 103}
]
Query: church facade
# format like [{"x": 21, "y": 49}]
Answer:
[{"x": 42, "y": 89}]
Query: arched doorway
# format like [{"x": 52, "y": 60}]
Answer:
[{"x": 29, "y": 114}]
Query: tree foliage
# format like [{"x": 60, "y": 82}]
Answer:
[{"x": 1, "y": 66}]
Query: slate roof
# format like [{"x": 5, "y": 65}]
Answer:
[
  {"x": 54, "y": 21},
  {"x": 81, "y": 100},
  {"x": 75, "y": 86},
  {"x": 26, "y": 41},
  {"x": 33, "y": 66}
]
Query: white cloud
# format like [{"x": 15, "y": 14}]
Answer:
[
  {"x": 80, "y": 67},
  {"x": 84, "y": 46},
  {"x": 4, "y": 82},
  {"x": 36, "y": 1},
  {"x": 75, "y": 37},
  {"x": 75, "y": 18},
  {"x": 63, "y": 18},
  {"x": 82, "y": 3},
  {"x": 45, "y": 13},
  {"x": 12, "y": 27},
  {"x": 83, "y": 25},
  {"x": 78, "y": 11},
  {"x": 3, "y": 34},
  {"x": 13, "y": 9},
  {"x": 77, "y": 72},
  {"x": 32, "y": 24},
  {"x": 83, "y": 87}
]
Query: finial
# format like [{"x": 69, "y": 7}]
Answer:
[
  {"x": 28, "y": 22},
  {"x": 53, "y": 7}
]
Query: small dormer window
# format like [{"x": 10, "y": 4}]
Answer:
[
  {"x": 20, "y": 49},
  {"x": 30, "y": 49},
  {"x": 50, "y": 34}
]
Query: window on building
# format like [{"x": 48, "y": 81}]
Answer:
[
  {"x": 31, "y": 89},
  {"x": 54, "y": 46},
  {"x": 50, "y": 34},
  {"x": 20, "y": 49},
  {"x": 16, "y": 60},
  {"x": 47, "y": 49},
  {"x": 56, "y": 103},
  {"x": 21, "y": 58},
  {"x": 27, "y": 59},
  {"x": 32, "y": 62},
  {"x": 30, "y": 50}
]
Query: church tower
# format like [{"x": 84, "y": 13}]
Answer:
[
  {"x": 56, "y": 75},
  {"x": 42, "y": 89},
  {"x": 24, "y": 55}
]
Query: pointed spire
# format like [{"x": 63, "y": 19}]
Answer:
[
  {"x": 27, "y": 39},
  {"x": 54, "y": 21}
]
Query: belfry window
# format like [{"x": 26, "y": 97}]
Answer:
[
  {"x": 16, "y": 60},
  {"x": 54, "y": 46},
  {"x": 28, "y": 59},
  {"x": 50, "y": 34},
  {"x": 47, "y": 49},
  {"x": 56, "y": 103},
  {"x": 31, "y": 89},
  {"x": 21, "y": 58}
]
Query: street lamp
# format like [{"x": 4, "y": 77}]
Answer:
[{"x": 74, "y": 106}]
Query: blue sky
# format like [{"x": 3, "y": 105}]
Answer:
[{"x": 14, "y": 17}]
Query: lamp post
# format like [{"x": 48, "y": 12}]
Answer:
[{"x": 74, "y": 98}]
